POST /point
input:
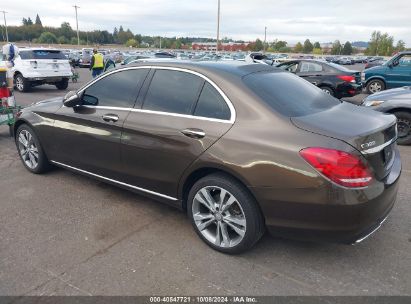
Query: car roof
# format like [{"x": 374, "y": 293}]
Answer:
[
  {"x": 40, "y": 49},
  {"x": 233, "y": 68}
]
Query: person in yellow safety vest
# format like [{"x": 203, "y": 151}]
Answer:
[{"x": 96, "y": 64}]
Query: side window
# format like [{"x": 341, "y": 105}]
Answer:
[
  {"x": 211, "y": 104},
  {"x": 116, "y": 90},
  {"x": 405, "y": 60},
  {"x": 291, "y": 67},
  {"x": 309, "y": 67},
  {"x": 173, "y": 91}
]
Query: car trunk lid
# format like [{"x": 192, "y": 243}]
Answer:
[{"x": 372, "y": 133}]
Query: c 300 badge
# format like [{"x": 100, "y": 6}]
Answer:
[{"x": 368, "y": 145}]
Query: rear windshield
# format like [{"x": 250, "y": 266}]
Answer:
[
  {"x": 289, "y": 94},
  {"x": 42, "y": 54}
]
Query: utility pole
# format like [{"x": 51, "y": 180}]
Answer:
[
  {"x": 160, "y": 42},
  {"x": 5, "y": 25},
  {"x": 218, "y": 26},
  {"x": 78, "y": 35},
  {"x": 265, "y": 38}
]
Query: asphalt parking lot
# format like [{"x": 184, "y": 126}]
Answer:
[{"x": 66, "y": 234}]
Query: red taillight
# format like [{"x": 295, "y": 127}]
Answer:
[
  {"x": 347, "y": 78},
  {"x": 342, "y": 168}
]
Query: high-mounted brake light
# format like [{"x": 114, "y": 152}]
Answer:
[
  {"x": 342, "y": 168},
  {"x": 347, "y": 78}
]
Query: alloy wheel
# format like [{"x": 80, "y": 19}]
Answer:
[
  {"x": 19, "y": 83},
  {"x": 27, "y": 149},
  {"x": 404, "y": 127},
  {"x": 375, "y": 87},
  {"x": 219, "y": 216}
]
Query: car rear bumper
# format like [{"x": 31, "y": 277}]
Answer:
[
  {"x": 343, "y": 222},
  {"x": 349, "y": 89}
]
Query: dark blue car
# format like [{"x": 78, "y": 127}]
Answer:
[{"x": 395, "y": 73}]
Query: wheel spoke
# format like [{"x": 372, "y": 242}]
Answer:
[
  {"x": 228, "y": 204},
  {"x": 235, "y": 220},
  {"x": 224, "y": 233},
  {"x": 202, "y": 216},
  {"x": 23, "y": 140},
  {"x": 205, "y": 224},
  {"x": 223, "y": 194},
  {"x": 237, "y": 230},
  {"x": 206, "y": 199},
  {"x": 32, "y": 160},
  {"x": 218, "y": 236}
]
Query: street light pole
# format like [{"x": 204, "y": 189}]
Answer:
[
  {"x": 265, "y": 37},
  {"x": 78, "y": 35},
  {"x": 218, "y": 26},
  {"x": 5, "y": 25}
]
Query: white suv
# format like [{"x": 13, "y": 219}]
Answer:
[{"x": 33, "y": 67}]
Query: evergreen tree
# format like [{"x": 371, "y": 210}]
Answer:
[
  {"x": 29, "y": 21},
  {"x": 347, "y": 49},
  {"x": 308, "y": 46},
  {"x": 38, "y": 21}
]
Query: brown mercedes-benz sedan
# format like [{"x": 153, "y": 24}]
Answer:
[{"x": 239, "y": 147}]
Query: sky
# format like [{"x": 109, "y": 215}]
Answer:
[{"x": 290, "y": 20}]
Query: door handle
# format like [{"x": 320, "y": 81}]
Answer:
[
  {"x": 110, "y": 117},
  {"x": 193, "y": 133}
]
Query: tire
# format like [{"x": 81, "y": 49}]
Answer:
[
  {"x": 26, "y": 137},
  {"x": 240, "y": 211},
  {"x": 328, "y": 90},
  {"x": 404, "y": 127},
  {"x": 63, "y": 84},
  {"x": 21, "y": 83},
  {"x": 375, "y": 86}
]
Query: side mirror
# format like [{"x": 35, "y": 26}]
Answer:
[{"x": 72, "y": 99}]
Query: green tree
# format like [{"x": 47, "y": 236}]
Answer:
[
  {"x": 336, "y": 48},
  {"x": 317, "y": 45},
  {"x": 38, "y": 21},
  {"x": 258, "y": 45},
  {"x": 62, "y": 40},
  {"x": 317, "y": 51},
  {"x": 347, "y": 49},
  {"x": 73, "y": 40},
  {"x": 400, "y": 46},
  {"x": 24, "y": 21},
  {"x": 29, "y": 21},
  {"x": 66, "y": 30},
  {"x": 298, "y": 47},
  {"x": 308, "y": 46},
  {"x": 47, "y": 37},
  {"x": 132, "y": 43},
  {"x": 380, "y": 44}
]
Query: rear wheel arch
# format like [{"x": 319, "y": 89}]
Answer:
[
  {"x": 376, "y": 78},
  {"x": 394, "y": 110},
  {"x": 198, "y": 174}
]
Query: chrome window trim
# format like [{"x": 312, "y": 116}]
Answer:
[
  {"x": 158, "y": 113},
  {"x": 226, "y": 99},
  {"x": 381, "y": 147},
  {"x": 115, "y": 181}
]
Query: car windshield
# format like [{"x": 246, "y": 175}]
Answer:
[
  {"x": 42, "y": 54},
  {"x": 289, "y": 94}
]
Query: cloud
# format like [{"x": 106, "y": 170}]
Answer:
[{"x": 292, "y": 20}]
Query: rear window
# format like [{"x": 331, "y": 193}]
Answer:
[
  {"x": 288, "y": 94},
  {"x": 42, "y": 54}
]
